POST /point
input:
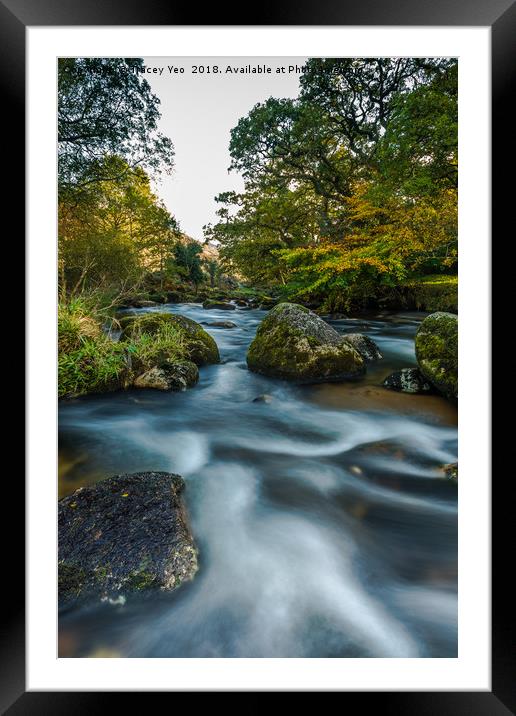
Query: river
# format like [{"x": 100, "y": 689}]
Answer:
[{"x": 324, "y": 526}]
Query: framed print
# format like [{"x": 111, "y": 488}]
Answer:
[{"x": 247, "y": 250}]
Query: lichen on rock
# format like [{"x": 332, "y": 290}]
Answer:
[
  {"x": 408, "y": 380},
  {"x": 127, "y": 533},
  {"x": 294, "y": 343},
  {"x": 364, "y": 345},
  {"x": 437, "y": 352}
]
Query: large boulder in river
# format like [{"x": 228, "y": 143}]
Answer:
[
  {"x": 169, "y": 375},
  {"x": 126, "y": 533},
  {"x": 294, "y": 343},
  {"x": 437, "y": 351},
  {"x": 200, "y": 346}
]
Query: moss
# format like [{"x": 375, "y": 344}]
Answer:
[
  {"x": 437, "y": 352},
  {"x": 141, "y": 579},
  {"x": 292, "y": 343},
  {"x": 70, "y": 579},
  {"x": 199, "y": 346}
]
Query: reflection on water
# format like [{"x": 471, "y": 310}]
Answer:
[{"x": 324, "y": 525}]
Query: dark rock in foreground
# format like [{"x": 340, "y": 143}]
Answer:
[
  {"x": 408, "y": 380},
  {"x": 437, "y": 351},
  {"x": 129, "y": 532},
  {"x": 364, "y": 345},
  {"x": 294, "y": 343}
]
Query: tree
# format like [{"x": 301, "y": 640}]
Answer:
[
  {"x": 186, "y": 258},
  {"x": 111, "y": 232},
  {"x": 106, "y": 108},
  {"x": 350, "y": 184}
]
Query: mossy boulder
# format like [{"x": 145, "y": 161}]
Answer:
[
  {"x": 294, "y": 343},
  {"x": 129, "y": 532},
  {"x": 408, "y": 380},
  {"x": 170, "y": 375},
  {"x": 437, "y": 352},
  {"x": 200, "y": 346},
  {"x": 364, "y": 345}
]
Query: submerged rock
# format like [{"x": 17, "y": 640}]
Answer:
[
  {"x": 200, "y": 346},
  {"x": 221, "y": 305},
  {"x": 294, "y": 343},
  {"x": 437, "y": 351},
  {"x": 408, "y": 380},
  {"x": 222, "y": 324},
  {"x": 178, "y": 375},
  {"x": 264, "y": 398},
  {"x": 364, "y": 345},
  {"x": 126, "y": 533}
]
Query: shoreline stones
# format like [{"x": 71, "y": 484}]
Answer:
[
  {"x": 294, "y": 343},
  {"x": 126, "y": 533},
  {"x": 437, "y": 352},
  {"x": 408, "y": 380}
]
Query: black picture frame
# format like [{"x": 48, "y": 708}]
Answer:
[{"x": 500, "y": 15}]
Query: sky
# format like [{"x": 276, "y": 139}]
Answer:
[{"x": 198, "y": 113}]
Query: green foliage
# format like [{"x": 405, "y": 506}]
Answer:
[
  {"x": 111, "y": 232},
  {"x": 106, "y": 108},
  {"x": 186, "y": 261},
  {"x": 96, "y": 367},
  {"x": 165, "y": 343},
  {"x": 350, "y": 187}
]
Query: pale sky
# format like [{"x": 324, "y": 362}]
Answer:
[{"x": 198, "y": 112}]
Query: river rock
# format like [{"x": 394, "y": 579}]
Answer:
[
  {"x": 364, "y": 345},
  {"x": 294, "y": 343},
  {"x": 144, "y": 304},
  {"x": 437, "y": 351},
  {"x": 201, "y": 347},
  {"x": 129, "y": 532},
  {"x": 407, "y": 380},
  {"x": 452, "y": 471},
  {"x": 178, "y": 375},
  {"x": 222, "y": 324},
  {"x": 221, "y": 305}
]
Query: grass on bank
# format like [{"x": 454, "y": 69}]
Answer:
[{"x": 89, "y": 361}]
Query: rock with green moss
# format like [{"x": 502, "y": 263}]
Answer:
[
  {"x": 127, "y": 533},
  {"x": 364, "y": 345},
  {"x": 169, "y": 375},
  {"x": 437, "y": 352},
  {"x": 199, "y": 345},
  {"x": 294, "y": 343}
]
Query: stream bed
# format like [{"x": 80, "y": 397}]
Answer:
[{"x": 324, "y": 525}]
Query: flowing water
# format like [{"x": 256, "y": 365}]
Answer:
[{"x": 324, "y": 525}]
